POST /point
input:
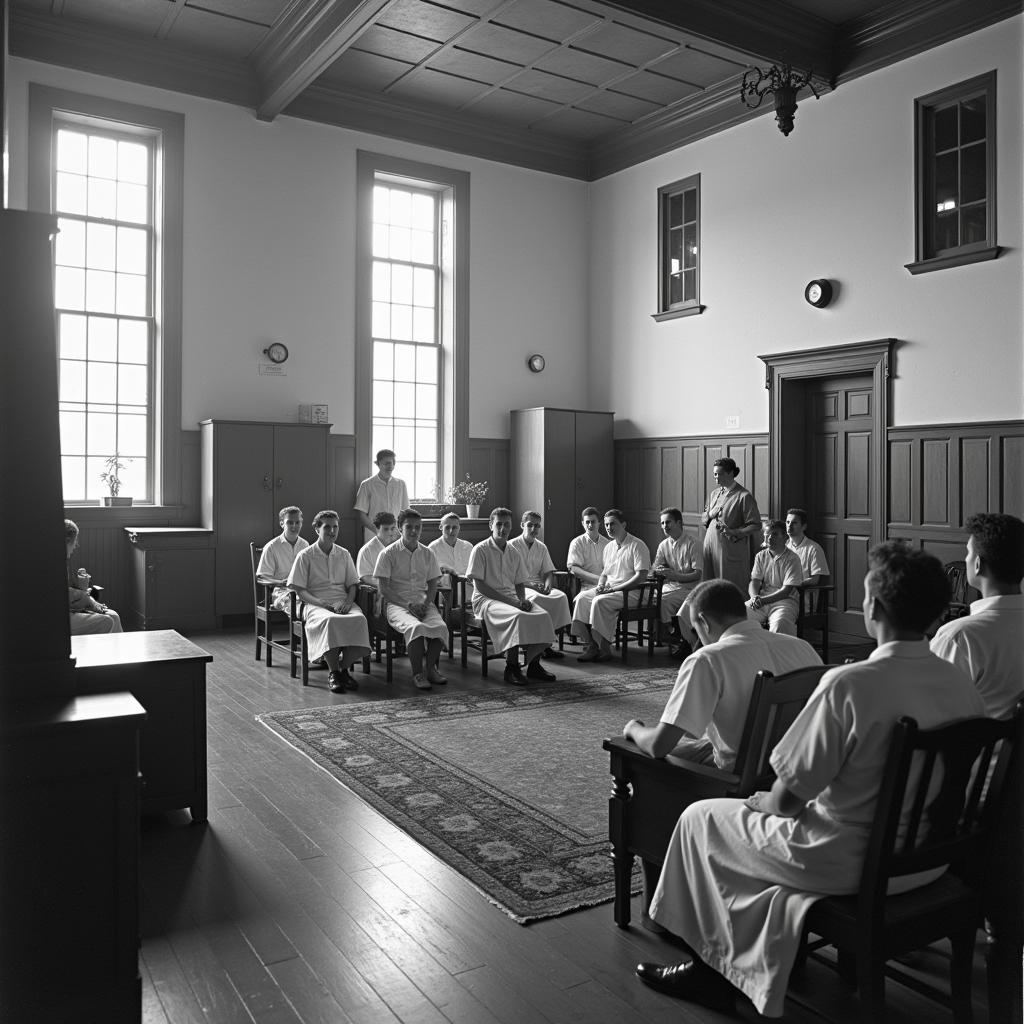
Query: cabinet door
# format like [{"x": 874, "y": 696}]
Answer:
[
  {"x": 560, "y": 512},
  {"x": 177, "y": 589},
  {"x": 300, "y": 472},
  {"x": 595, "y": 460}
]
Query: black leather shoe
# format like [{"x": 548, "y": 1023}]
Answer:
[
  {"x": 681, "y": 651},
  {"x": 350, "y": 683},
  {"x": 537, "y": 671},
  {"x": 692, "y": 980},
  {"x": 514, "y": 675},
  {"x": 318, "y": 663},
  {"x": 336, "y": 682},
  {"x": 552, "y": 654}
]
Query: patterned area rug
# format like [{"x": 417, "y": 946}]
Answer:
[{"x": 510, "y": 788}]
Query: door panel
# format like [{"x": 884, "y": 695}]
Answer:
[
  {"x": 300, "y": 461},
  {"x": 560, "y": 457}
]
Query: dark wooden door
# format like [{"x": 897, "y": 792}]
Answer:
[
  {"x": 559, "y": 482},
  {"x": 839, "y": 484},
  {"x": 300, "y": 475}
]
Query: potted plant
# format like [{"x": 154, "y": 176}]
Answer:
[
  {"x": 112, "y": 478},
  {"x": 470, "y": 494}
]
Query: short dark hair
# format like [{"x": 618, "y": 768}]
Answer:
[
  {"x": 672, "y": 513},
  {"x": 800, "y": 513},
  {"x": 406, "y": 514},
  {"x": 384, "y": 519},
  {"x": 999, "y": 540},
  {"x": 614, "y": 513},
  {"x": 530, "y": 514},
  {"x": 326, "y": 513},
  {"x": 499, "y": 513},
  {"x": 590, "y": 511},
  {"x": 287, "y": 511},
  {"x": 775, "y": 524},
  {"x": 384, "y": 453},
  {"x": 718, "y": 600},
  {"x": 448, "y": 517},
  {"x": 911, "y": 585},
  {"x": 729, "y": 465}
]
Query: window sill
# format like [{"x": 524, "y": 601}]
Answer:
[
  {"x": 957, "y": 259},
  {"x": 675, "y": 314},
  {"x": 133, "y": 515}
]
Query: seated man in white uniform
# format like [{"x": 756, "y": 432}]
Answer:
[
  {"x": 382, "y": 492},
  {"x": 705, "y": 713},
  {"x": 739, "y": 875},
  {"x": 540, "y": 588},
  {"x": 278, "y": 555},
  {"x": 988, "y": 645},
  {"x": 586, "y": 552},
  {"x": 87, "y": 615},
  {"x": 627, "y": 561},
  {"x": 680, "y": 564},
  {"x": 407, "y": 574},
  {"x": 499, "y": 598},
  {"x": 777, "y": 573},
  {"x": 810, "y": 553},
  {"x": 324, "y": 576},
  {"x": 387, "y": 533},
  {"x": 450, "y": 550}
]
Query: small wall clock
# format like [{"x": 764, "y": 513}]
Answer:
[
  {"x": 276, "y": 352},
  {"x": 819, "y": 292},
  {"x": 536, "y": 362}
]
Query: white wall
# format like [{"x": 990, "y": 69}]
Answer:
[
  {"x": 833, "y": 200},
  {"x": 269, "y": 254}
]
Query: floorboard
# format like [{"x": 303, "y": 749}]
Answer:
[{"x": 300, "y": 903}]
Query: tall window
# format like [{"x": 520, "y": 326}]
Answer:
[
  {"x": 679, "y": 249},
  {"x": 956, "y": 183},
  {"x": 412, "y": 320},
  {"x": 103, "y": 289},
  {"x": 112, "y": 174},
  {"x": 406, "y": 332}
]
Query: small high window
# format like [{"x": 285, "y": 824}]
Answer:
[
  {"x": 679, "y": 249},
  {"x": 956, "y": 175}
]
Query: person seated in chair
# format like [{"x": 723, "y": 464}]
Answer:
[
  {"x": 740, "y": 875},
  {"x": 810, "y": 552},
  {"x": 540, "y": 588},
  {"x": 627, "y": 561},
  {"x": 278, "y": 555},
  {"x": 705, "y": 713},
  {"x": 324, "y": 577},
  {"x": 585, "y": 560},
  {"x": 678, "y": 562},
  {"x": 450, "y": 550},
  {"x": 499, "y": 599},
  {"x": 87, "y": 615},
  {"x": 407, "y": 574},
  {"x": 777, "y": 573},
  {"x": 387, "y": 533}
]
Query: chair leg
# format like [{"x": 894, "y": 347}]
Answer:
[
  {"x": 960, "y": 976},
  {"x": 304, "y": 653},
  {"x": 366, "y": 665},
  {"x": 871, "y": 988},
  {"x": 390, "y": 657},
  {"x": 257, "y": 639}
]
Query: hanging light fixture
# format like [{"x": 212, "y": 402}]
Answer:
[{"x": 782, "y": 83}]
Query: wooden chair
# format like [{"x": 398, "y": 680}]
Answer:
[
  {"x": 267, "y": 616},
  {"x": 645, "y": 614},
  {"x": 963, "y": 593},
  {"x": 473, "y": 630},
  {"x": 649, "y": 794},
  {"x": 937, "y": 806},
  {"x": 382, "y": 633},
  {"x": 813, "y": 613}
]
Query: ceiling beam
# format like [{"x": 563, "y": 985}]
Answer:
[{"x": 309, "y": 37}]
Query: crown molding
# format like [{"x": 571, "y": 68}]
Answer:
[{"x": 129, "y": 58}]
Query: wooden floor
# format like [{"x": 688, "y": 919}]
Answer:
[{"x": 297, "y": 902}]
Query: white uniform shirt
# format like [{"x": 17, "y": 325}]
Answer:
[
  {"x": 623, "y": 561},
  {"x": 811, "y": 555},
  {"x": 452, "y": 556},
  {"x": 326, "y": 576},
  {"x": 277, "y": 557},
  {"x": 376, "y": 495},
  {"x": 500, "y": 570},
  {"x": 776, "y": 571},
  {"x": 587, "y": 554},
  {"x": 713, "y": 687},
  {"x": 681, "y": 555},
  {"x": 408, "y": 571},
  {"x": 988, "y": 645},
  {"x": 536, "y": 558},
  {"x": 366, "y": 560}
]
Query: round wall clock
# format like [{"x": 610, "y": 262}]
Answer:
[
  {"x": 536, "y": 362},
  {"x": 277, "y": 352},
  {"x": 819, "y": 292}
]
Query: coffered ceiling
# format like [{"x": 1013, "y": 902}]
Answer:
[{"x": 575, "y": 87}]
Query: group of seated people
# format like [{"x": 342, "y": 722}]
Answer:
[{"x": 740, "y": 875}]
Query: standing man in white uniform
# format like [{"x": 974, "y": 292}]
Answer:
[
  {"x": 627, "y": 561},
  {"x": 499, "y": 598},
  {"x": 777, "y": 573},
  {"x": 679, "y": 563},
  {"x": 324, "y": 576},
  {"x": 407, "y": 574},
  {"x": 382, "y": 492},
  {"x": 586, "y": 552},
  {"x": 740, "y": 875},
  {"x": 810, "y": 552}
]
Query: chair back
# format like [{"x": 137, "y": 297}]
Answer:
[
  {"x": 939, "y": 799},
  {"x": 774, "y": 704},
  {"x": 956, "y": 573},
  {"x": 254, "y": 561}
]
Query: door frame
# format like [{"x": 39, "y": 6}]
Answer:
[{"x": 864, "y": 357}]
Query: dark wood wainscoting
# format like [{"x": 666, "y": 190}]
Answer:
[
  {"x": 941, "y": 475},
  {"x": 656, "y": 473}
]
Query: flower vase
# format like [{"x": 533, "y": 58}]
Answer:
[{"x": 472, "y": 511}]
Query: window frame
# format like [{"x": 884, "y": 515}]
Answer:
[
  {"x": 692, "y": 307},
  {"x": 924, "y": 158},
  {"x": 47, "y": 106},
  {"x": 453, "y": 189}
]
